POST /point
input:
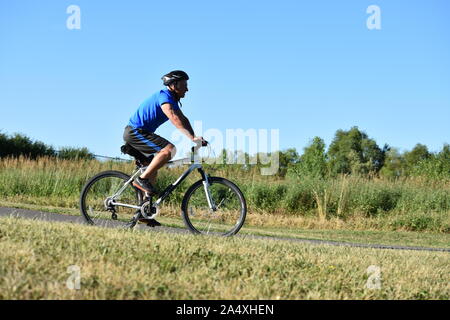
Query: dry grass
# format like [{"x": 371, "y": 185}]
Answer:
[{"x": 116, "y": 264}]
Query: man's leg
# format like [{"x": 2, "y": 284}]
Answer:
[
  {"x": 152, "y": 178},
  {"x": 151, "y": 172},
  {"x": 148, "y": 143},
  {"x": 158, "y": 162}
]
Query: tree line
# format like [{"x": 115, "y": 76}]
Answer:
[
  {"x": 20, "y": 145},
  {"x": 351, "y": 152},
  {"x": 354, "y": 152}
]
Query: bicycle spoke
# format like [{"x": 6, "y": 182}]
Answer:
[
  {"x": 95, "y": 205},
  {"x": 222, "y": 201},
  {"x": 227, "y": 215}
]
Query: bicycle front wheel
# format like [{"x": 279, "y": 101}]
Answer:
[
  {"x": 230, "y": 208},
  {"x": 95, "y": 195}
]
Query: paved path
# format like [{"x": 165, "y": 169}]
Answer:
[{"x": 48, "y": 216}]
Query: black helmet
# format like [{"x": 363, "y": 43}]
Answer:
[{"x": 174, "y": 76}]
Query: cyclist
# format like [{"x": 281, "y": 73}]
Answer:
[{"x": 140, "y": 132}]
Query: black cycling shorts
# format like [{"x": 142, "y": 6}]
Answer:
[{"x": 145, "y": 142}]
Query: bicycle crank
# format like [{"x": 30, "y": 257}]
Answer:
[{"x": 148, "y": 210}]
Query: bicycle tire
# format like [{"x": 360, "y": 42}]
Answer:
[
  {"x": 87, "y": 214},
  {"x": 213, "y": 181}
]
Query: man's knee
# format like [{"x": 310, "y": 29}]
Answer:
[{"x": 170, "y": 150}]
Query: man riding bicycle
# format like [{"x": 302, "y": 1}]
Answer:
[{"x": 140, "y": 132}]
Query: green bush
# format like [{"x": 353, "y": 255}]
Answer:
[
  {"x": 374, "y": 198},
  {"x": 70, "y": 153},
  {"x": 266, "y": 197},
  {"x": 436, "y": 167},
  {"x": 421, "y": 222},
  {"x": 19, "y": 144},
  {"x": 298, "y": 199}
]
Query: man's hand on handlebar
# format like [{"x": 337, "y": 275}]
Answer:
[{"x": 200, "y": 141}]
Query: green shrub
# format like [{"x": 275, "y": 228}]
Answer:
[
  {"x": 266, "y": 197},
  {"x": 421, "y": 222},
  {"x": 19, "y": 144},
  {"x": 373, "y": 198},
  {"x": 70, "y": 153},
  {"x": 298, "y": 199}
]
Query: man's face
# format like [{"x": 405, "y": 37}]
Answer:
[{"x": 180, "y": 88}]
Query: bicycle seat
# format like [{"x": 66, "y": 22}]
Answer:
[{"x": 141, "y": 160}]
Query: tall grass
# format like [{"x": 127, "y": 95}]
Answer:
[
  {"x": 51, "y": 180},
  {"x": 414, "y": 203}
]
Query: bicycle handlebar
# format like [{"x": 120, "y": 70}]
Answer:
[{"x": 204, "y": 143}]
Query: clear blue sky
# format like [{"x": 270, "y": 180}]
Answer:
[{"x": 307, "y": 68}]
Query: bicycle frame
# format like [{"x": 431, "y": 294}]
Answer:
[{"x": 170, "y": 188}]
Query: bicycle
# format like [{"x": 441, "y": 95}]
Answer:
[{"x": 212, "y": 205}]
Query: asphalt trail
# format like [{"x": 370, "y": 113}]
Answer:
[{"x": 48, "y": 216}]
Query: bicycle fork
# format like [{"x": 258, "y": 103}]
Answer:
[{"x": 206, "y": 185}]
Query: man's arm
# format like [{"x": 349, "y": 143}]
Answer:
[{"x": 179, "y": 120}]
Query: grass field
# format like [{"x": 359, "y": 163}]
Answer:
[{"x": 36, "y": 259}]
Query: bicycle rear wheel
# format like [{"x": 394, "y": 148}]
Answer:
[
  {"x": 94, "y": 199},
  {"x": 230, "y": 213}
]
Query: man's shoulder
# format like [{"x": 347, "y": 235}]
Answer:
[
  {"x": 159, "y": 98},
  {"x": 154, "y": 98},
  {"x": 164, "y": 93},
  {"x": 159, "y": 94},
  {"x": 166, "y": 97}
]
